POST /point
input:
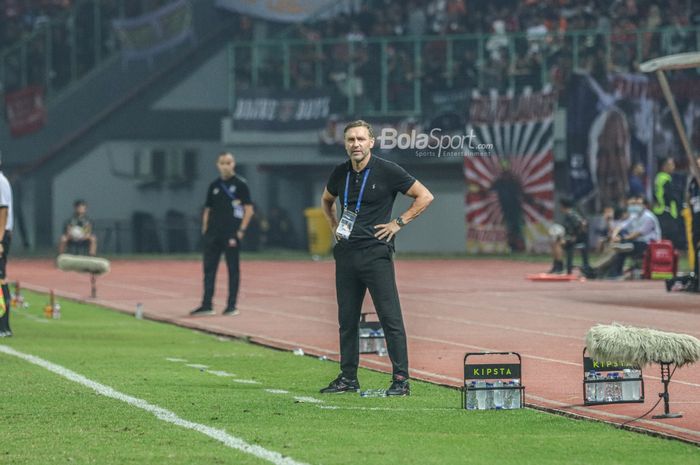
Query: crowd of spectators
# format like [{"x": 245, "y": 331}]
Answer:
[
  {"x": 515, "y": 43},
  {"x": 60, "y": 19},
  {"x": 19, "y": 18},
  {"x": 523, "y": 43}
]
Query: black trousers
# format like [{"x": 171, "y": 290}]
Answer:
[
  {"x": 356, "y": 271},
  {"x": 569, "y": 248},
  {"x": 213, "y": 248},
  {"x": 5, "y": 318}
]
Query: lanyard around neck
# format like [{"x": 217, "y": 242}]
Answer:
[
  {"x": 362, "y": 191},
  {"x": 225, "y": 188}
]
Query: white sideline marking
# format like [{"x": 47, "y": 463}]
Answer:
[
  {"x": 276, "y": 391},
  {"x": 307, "y": 400},
  {"x": 245, "y": 381},
  {"x": 32, "y": 317},
  {"x": 393, "y": 409},
  {"x": 223, "y": 374},
  {"x": 197, "y": 365},
  {"x": 173, "y": 359},
  {"x": 162, "y": 414}
]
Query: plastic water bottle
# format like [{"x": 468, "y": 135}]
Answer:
[
  {"x": 471, "y": 396},
  {"x": 373, "y": 393},
  {"x": 613, "y": 393},
  {"x": 636, "y": 391},
  {"x": 591, "y": 387},
  {"x": 498, "y": 395},
  {"x": 481, "y": 395},
  {"x": 508, "y": 396},
  {"x": 57, "y": 311},
  {"x": 617, "y": 387},
  {"x": 365, "y": 340},
  {"x": 516, "y": 401},
  {"x": 607, "y": 388},
  {"x": 627, "y": 384},
  {"x": 600, "y": 388},
  {"x": 298, "y": 351},
  {"x": 489, "y": 396},
  {"x": 139, "y": 311}
]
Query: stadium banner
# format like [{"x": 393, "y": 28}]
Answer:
[
  {"x": 510, "y": 189},
  {"x": 260, "y": 109},
  {"x": 620, "y": 123},
  {"x": 287, "y": 11},
  {"x": 26, "y": 111},
  {"x": 146, "y": 36}
]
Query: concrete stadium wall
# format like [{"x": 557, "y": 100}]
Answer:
[{"x": 275, "y": 180}]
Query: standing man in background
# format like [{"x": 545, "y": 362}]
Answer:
[
  {"x": 227, "y": 213},
  {"x": 6, "y": 222},
  {"x": 694, "y": 205},
  {"x": 367, "y": 186},
  {"x": 666, "y": 201}
]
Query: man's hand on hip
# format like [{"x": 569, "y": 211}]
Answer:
[{"x": 386, "y": 231}]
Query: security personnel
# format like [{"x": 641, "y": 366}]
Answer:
[
  {"x": 227, "y": 213},
  {"x": 366, "y": 186},
  {"x": 666, "y": 203},
  {"x": 6, "y": 222}
]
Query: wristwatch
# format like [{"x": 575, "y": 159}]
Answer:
[{"x": 400, "y": 222}]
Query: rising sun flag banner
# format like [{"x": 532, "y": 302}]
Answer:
[{"x": 510, "y": 191}]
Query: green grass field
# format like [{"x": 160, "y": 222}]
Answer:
[{"x": 48, "y": 419}]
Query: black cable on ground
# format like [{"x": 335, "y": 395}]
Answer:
[{"x": 651, "y": 409}]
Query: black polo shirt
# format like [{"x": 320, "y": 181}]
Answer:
[
  {"x": 225, "y": 199},
  {"x": 385, "y": 179}
]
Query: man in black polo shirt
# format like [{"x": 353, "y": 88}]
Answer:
[
  {"x": 227, "y": 212},
  {"x": 367, "y": 186}
]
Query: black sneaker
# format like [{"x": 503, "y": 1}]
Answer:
[
  {"x": 557, "y": 268},
  {"x": 342, "y": 384},
  {"x": 588, "y": 272},
  {"x": 202, "y": 311},
  {"x": 399, "y": 387},
  {"x": 231, "y": 311}
]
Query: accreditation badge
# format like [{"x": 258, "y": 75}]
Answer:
[
  {"x": 347, "y": 221},
  {"x": 238, "y": 210}
]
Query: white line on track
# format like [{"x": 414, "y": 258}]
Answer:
[{"x": 165, "y": 415}]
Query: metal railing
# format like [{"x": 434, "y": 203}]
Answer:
[
  {"x": 395, "y": 76},
  {"x": 62, "y": 50}
]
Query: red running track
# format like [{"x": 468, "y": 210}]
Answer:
[{"x": 450, "y": 307}]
